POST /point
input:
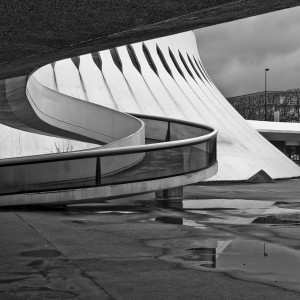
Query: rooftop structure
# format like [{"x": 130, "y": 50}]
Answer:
[{"x": 284, "y": 136}]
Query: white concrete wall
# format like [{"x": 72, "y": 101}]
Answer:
[{"x": 16, "y": 143}]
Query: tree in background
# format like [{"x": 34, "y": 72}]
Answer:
[{"x": 252, "y": 106}]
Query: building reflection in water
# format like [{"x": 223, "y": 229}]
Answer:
[
  {"x": 207, "y": 256},
  {"x": 170, "y": 220}
]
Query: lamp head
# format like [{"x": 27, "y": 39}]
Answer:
[{"x": 267, "y": 70}]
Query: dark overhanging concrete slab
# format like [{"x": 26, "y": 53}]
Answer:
[{"x": 34, "y": 33}]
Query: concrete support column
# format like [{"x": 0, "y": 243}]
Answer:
[{"x": 170, "y": 197}]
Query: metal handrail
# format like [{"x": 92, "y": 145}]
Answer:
[
  {"x": 116, "y": 151},
  {"x": 168, "y": 119}
]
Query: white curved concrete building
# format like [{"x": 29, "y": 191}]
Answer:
[
  {"x": 162, "y": 77},
  {"x": 187, "y": 93}
]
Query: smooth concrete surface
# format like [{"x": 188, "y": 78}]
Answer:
[{"x": 116, "y": 250}]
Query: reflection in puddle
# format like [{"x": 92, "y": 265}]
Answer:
[
  {"x": 234, "y": 211},
  {"x": 79, "y": 221},
  {"x": 206, "y": 256},
  {"x": 291, "y": 219},
  {"x": 114, "y": 212},
  {"x": 267, "y": 261},
  {"x": 170, "y": 220},
  {"x": 178, "y": 221},
  {"x": 264, "y": 261},
  {"x": 101, "y": 212},
  {"x": 41, "y": 253}
]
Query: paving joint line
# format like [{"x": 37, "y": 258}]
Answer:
[{"x": 69, "y": 260}]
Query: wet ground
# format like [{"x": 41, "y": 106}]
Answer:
[
  {"x": 228, "y": 242},
  {"x": 260, "y": 238}
]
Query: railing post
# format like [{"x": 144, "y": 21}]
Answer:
[
  {"x": 168, "y": 135},
  {"x": 170, "y": 197},
  {"x": 98, "y": 171}
]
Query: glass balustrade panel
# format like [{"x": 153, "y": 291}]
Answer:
[
  {"x": 161, "y": 163},
  {"x": 44, "y": 176}
]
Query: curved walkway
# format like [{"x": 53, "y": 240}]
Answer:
[{"x": 180, "y": 152}]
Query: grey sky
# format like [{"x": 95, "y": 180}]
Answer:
[{"x": 236, "y": 54}]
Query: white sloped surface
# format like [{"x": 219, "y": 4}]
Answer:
[
  {"x": 117, "y": 84},
  {"x": 241, "y": 150},
  {"x": 94, "y": 84},
  {"x": 68, "y": 79}
]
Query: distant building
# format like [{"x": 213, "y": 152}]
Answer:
[
  {"x": 282, "y": 106},
  {"x": 283, "y": 135}
]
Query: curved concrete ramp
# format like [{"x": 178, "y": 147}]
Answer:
[
  {"x": 88, "y": 176},
  {"x": 85, "y": 98},
  {"x": 178, "y": 152},
  {"x": 32, "y": 106}
]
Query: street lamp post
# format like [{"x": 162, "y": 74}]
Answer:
[{"x": 266, "y": 70}]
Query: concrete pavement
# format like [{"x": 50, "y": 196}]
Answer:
[{"x": 117, "y": 250}]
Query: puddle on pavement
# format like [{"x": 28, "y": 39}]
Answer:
[
  {"x": 83, "y": 222},
  {"x": 103, "y": 208},
  {"x": 40, "y": 253},
  {"x": 234, "y": 211},
  {"x": 78, "y": 221},
  {"x": 177, "y": 221},
  {"x": 91, "y": 219},
  {"x": 101, "y": 212},
  {"x": 206, "y": 256},
  {"x": 265, "y": 261},
  {"x": 170, "y": 220},
  {"x": 115, "y": 212},
  {"x": 278, "y": 220}
]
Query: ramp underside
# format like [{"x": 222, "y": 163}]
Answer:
[{"x": 35, "y": 33}]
